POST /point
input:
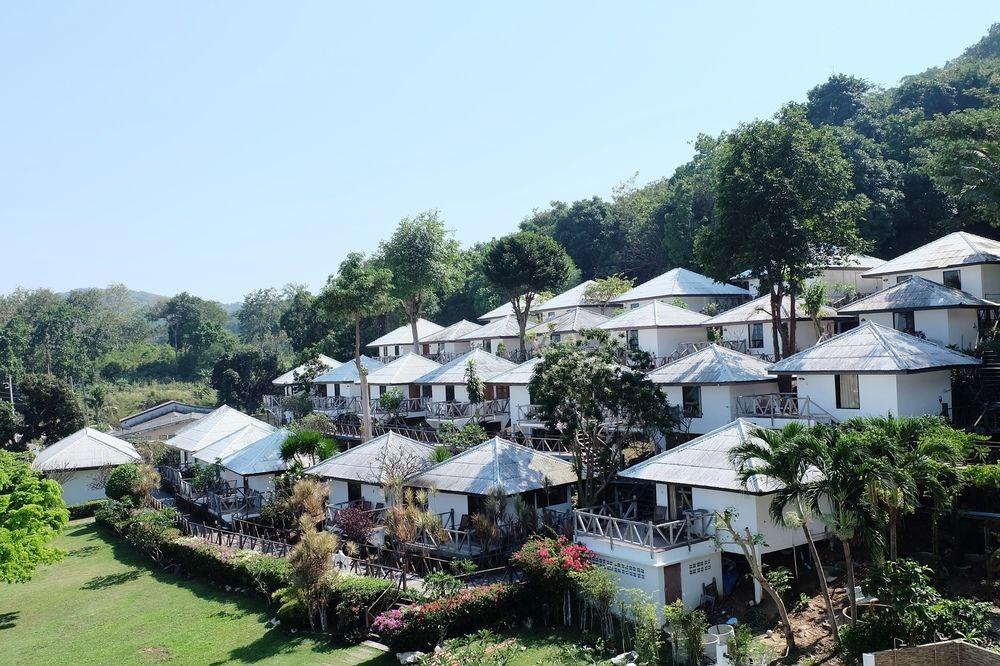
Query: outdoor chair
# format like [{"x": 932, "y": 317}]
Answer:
[
  {"x": 659, "y": 514},
  {"x": 709, "y": 595}
]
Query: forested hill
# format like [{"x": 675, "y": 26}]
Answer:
[{"x": 899, "y": 141}]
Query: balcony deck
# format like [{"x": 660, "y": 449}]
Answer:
[
  {"x": 620, "y": 524},
  {"x": 779, "y": 408}
]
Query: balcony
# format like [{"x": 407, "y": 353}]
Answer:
[
  {"x": 451, "y": 410},
  {"x": 376, "y": 514},
  {"x": 234, "y": 503},
  {"x": 782, "y": 407},
  {"x": 620, "y": 523},
  {"x": 411, "y": 406},
  {"x": 337, "y": 404},
  {"x": 530, "y": 414}
]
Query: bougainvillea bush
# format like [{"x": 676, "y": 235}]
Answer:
[
  {"x": 549, "y": 566},
  {"x": 422, "y": 626}
]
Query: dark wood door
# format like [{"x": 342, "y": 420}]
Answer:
[
  {"x": 414, "y": 391},
  {"x": 671, "y": 583}
]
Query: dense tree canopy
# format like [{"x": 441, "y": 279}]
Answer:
[
  {"x": 242, "y": 378},
  {"x": 48, "y": 408},
  {"x": 32, "y": 513}
]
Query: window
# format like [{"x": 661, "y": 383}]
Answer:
[
  {"x": 353, "y": 491},
  {"x": 952, "y": 279},
  {"x": 380, "y": 390},
  {"x": 691, "y": 396},
  {"x": 426, "y": 392},
  {"x": 756, "y": 335},
  {"x": 488, "y": 345},
  {"x": 449, "y": 393},
  {"x": 336, "y": 390},
  {"x": 503, "y": 392},
  {"x": 902, "y": 278},
  {"x": 555, "y": 338},
  {"x": 395, "y": 351},
  {"x": 903, "y": 321},
  {"x": 633, "y": 338},
  {"x": 848, "y": 391},
  {"x": 633, "y": 306}
]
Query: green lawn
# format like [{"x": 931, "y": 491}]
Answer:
[{"x": 104, "y": 604}]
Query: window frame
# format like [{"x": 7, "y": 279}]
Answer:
[
  {"x": 692, "y": 406},
  {"x": 839, "y": 391},
  {"x": 750, "y": 336},
  {"x": 907, "y": 315},
  {"x": 953, "y": 273}
]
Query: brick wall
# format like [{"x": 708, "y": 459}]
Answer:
[{"x": 947, "y": 653}]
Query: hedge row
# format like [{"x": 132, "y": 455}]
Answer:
[{"x": 85, "y": 510}]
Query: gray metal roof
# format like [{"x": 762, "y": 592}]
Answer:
[
  {"x": 573, "y": 297},
  {"x": 260, "y": 457},
  {"x": 759, "y": 310},
  {"x": 229, "y": 444},
  {"x": 956, "y": 249},
  {"x": 517, "y": 376},
  {"x": 372, "y": 461},
  {"x": 403, "y": 370},
  {"x": 348, "y": 372},
  {"x": 704, "y": 463},
  {"x": 678, "y": 283},
  {"x": 451, "y": 333},
  {"x": 655, "y": 315},
  {"x": 505, "y": 309},
  {"x": 577, "y": 319},
  {"x": 85, "y": 449},
  {"x": 223, "y": 421},
  {"x": 873, "y": 348},
  {"x": 404, "y": 334},
  {"x": 712, "y": 365},
  {"x": 505, "y": 327},
  {"x": 292, "y": 376},
  {"x": 860, "y": 262},
  {"x": 916, "y": 293},
  {"x": 496, "y": 463},
  {"x": 453, "y": 372}
]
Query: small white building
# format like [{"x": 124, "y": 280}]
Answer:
[
  {"x": 840, "y": 278},
  {"x": 81, "y": 462},
  {"x": 672, "y": 554},
  {"x": 565, "y": 327},
  {"x": 223, "y": 421},
  {"x": 697, "y": 291},
  {"x": 448, "y": 343},
  {"x": 458, "y": 486},
  {"x": 707, "y": 385},
  {"x": 401, "y": 375},
  {"x": 399, "y": 340},
  {"x": 498, "y": 336},
  {"x": 926, "y": 309},
  {"x": 749, "y": 326},
  {"x": 569, "y": 300},
  {"x": 659, "y": 329},
  {"x": 159, "y": 421},
  {"x": 287, "y": 382},
  {"x": 449, "y": 401},
  {"x": 505, "y": 309},
  {"x": 514, "y": 382},
  {"x": 870, "y": 370},
  {"x": 959, "y": 260},
  {"x": 339, "y": 390},
  {"x": 254, "y": 467},
  {"x": 230, "y": 443}
]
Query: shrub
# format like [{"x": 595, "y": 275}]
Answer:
[
  {"x": 121, "y": 481},
  {"x": 114, "y": 514},
  {"x": 85, "y": 510},
  {"x": 355, "y": 525},
  {"x": 422, "y": 626},
  {"x": 229, "y": 566},
  {"x": 351, "y": 598}
]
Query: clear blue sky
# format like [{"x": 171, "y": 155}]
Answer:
[{"x": 222, "y": 147}]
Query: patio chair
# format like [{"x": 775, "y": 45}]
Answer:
[
  {"x": 709, "y": 595},
  {"x": 659, "y": 514}
]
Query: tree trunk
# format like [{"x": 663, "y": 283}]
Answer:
[
  {"x": 776, "y": 324},
  {"x": 522, "y": 321},
  {"x": 849, "y": 562},
  {"x": 413, "y": 312},
  {"x": 822, "y": 582},
  {"x": 758, "y": 573},
  {"x": 792, "y": 323},
  {"x": 366, "y": 409},
  {"x": 893, "y": 533}
]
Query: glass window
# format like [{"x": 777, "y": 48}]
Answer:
[
  {"x": 336, "y": 390},
  {"x": 952, "y": 279},
  {"x": 634, "y": 306},
  {"x": 848, "y": 391},
  {"x": 449, "y": 393},
  {"x": 903, "y": 321},
  {"x": 756, "y": 336},
  {"x": 633, "y": 338},
  {"x": 395, "y": 351},
  {"x": 426, "y": 392},
  {"x": 692, "y": 401},
  {"x": 353, "y": 491},
  {"x": 555, "y": 338},
  {"x": 488, "y": 345},
  {"x": 902, "y": 278}
]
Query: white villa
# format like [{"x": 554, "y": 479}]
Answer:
[
  {"x": 401, "y": 375},
  {"x": 489, "y": 337},
  {"x": 287, "y": 382},
  {"x": 959, "y": 260},
  {"x": 230, "y": 443},
  {"x": 928, "y": 309},
  {"x": 254, "y": 467},
  {"x": 848, "y": 274},
  {"x": 81, "y": 462},
  {"x": 566, "y": 327},
  {"x": 697, "y": 291},
  {"x": 399, "y": 340},
  {"x": 709, "y": 384},
  {"x": 870, "y": 370},
  {"x": 339, "y": 390},
  {"x": 659, "y": 328},
  {"x": 749, "y": 326},
  {"x": 447, "y": 343},
  {"x": 569, "y": 300},
  {"x": 672, "y": 554},
  {"x": 449, "y": 397},
  {"x": 222, "y": 422},
  {"x": 514, "y": 382}
]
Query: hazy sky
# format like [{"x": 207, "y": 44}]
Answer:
[{"x": 226, "y": 146}]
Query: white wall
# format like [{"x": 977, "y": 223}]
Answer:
[
  {"x": 805, "y": 335},
  {"x": 956, "y": 326},
  {"x": 923, "y": 392},
  {"x": 718, "y": 403},
  {"x": 441, "y": 502},
  {"x": 438, "y": 393},
  {"x": 76, "y": 486},
  {"x": 982, "y": 281},
  {"x": 518, "y": 397},
  {"x": 902, "y": 395}
]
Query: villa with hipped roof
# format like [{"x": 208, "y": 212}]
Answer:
[
  {"x": 287, "y": 381},
  {"x": 660, "y": 329},
  {"x": 448, "y": 343},
  {"x": 231, "y": 443},
  {"x": 81, "y": 462},
  {"x": 708, "y": 385},
  {"x": 339, "y": 391},
  {"x": 498, "y": 336},
  {"x": 399, "y": 340},
  {"x": 697, "y": 291},
  {"x": 401, "y": 375},
  {"x": 928, "y": 309},
  {"x": 670, "y": 552},
  {"x": 565, "y": 327},
  {"x": 959, "y": 260},
  {"x": 569, "y": 300},
  {"x": 841, "y": 277},
  {"x": 749, "y": 327},
  {"x": 450, "y": 397},
  {"x": 211, "y": 428},
  {"x": 871, "y": 370},
  {"x": 514, "y": 382}
]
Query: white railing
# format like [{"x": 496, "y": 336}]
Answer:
[
  {"x": 647, "y": 535},
  {"x": 779, "y": 406},
  {"x": 335, "y": 403},
  {"x": 462, "y": 410},
  {"x": 407, "y": 406}
]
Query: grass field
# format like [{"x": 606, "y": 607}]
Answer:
[{"x": 105, "y": 604}]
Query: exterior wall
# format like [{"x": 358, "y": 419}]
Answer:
[
  {"x": 834, "y": 276},
  {"x": 519, "y": 396},
  {"x": 805, "y": 335},
  {"x": 958, "y": 653},
  {"x": 510, "y": 344},
  {"x": 902, "y": 395},
  {"x": 981, "y": 280},
  {"x": 441, "y": 502},
  {"x": 438, "y": 393},
  {"x": 76, "y": 486},
  {"x": 452, "y": 347},
  {"x": 695, "y": 303},
  {"x": 369, "y": 493},
  {"x": 718, "y": 403},
  {"x": 956, "y": 326},
  {"x": 923, "y": 393},
  {"x": 668, "y": 339},
  {"x": 262, "y": 483}
]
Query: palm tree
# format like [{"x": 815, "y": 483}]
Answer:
[{"x": 786, "y": 458}]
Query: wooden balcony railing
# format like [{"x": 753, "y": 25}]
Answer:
[
  {"x": 407, "y": 406},
  {"x": 646, "y": 535},
  {"x": 463, "y": 410},
  {"x": 781, "y": 406}
]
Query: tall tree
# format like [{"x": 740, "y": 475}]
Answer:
[
  {"x": 259, "y": 319},
  {"x": 32, "y": 513},
  {"x": 359, "y": 289},
  {"x": 242, "y": 378},
  {"x": 423, "y": 258},
  {"x": 522, "y": 265},
  {"x": 785, "y": 208},
  {"x": 49, "y": 409}
]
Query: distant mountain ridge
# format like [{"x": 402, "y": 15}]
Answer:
[{"x": 146, "y": 299}]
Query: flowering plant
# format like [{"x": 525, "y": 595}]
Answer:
[{"x": 552, "y": 560}]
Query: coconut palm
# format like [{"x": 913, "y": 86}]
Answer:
[{"x": 786, "y": 458}]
